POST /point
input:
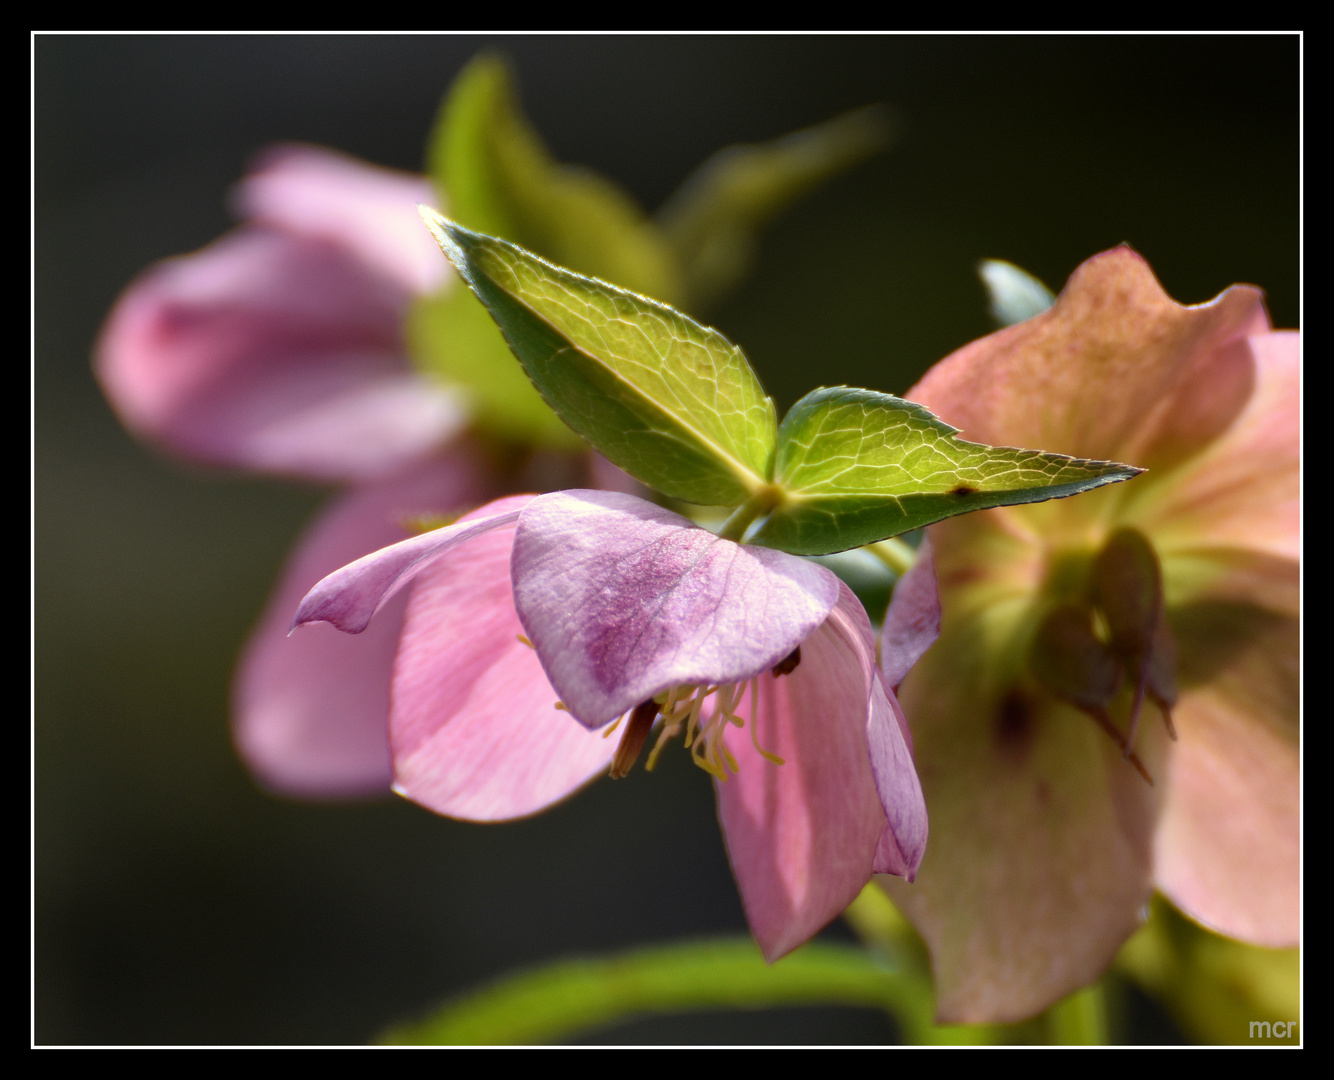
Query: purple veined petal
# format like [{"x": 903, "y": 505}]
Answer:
[
  {"x": 624, "y": 599},
  {"x": 802, "y": 836},
  {"x": 371, "y": 211},
  {"x": 473, "y": 725},
  {"x": 888, "y": 738},
  {"x": 903, "y": 842},
  {"x": 310, "y": 710},
  {"x": 349, "y": 597},
  {"x": 912, "y": 623},
  {"x": 272, "y": 352}
]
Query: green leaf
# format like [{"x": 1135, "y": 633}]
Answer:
[
  {"x": 671, "y": 402},
  {"x": 712, "y": 220},
  {"x": 452, "y": 336},
  {"x": 857, "y": 466},
  {"x": 573, "y": 996},
  {"x": 499, "y": 179},
  {"x": 1013, "y": 295}
]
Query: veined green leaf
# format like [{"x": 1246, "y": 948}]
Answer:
[
  {"x": 499, "y": 179},
  {"x": 671, "y": 402},
  {"x": 857, "y": 466},
  {"x": 712, "y": 220}
]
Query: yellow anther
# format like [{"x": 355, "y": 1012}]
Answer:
[
  {"x": 681, "y": 712},
  {"x": 668, "y": 732},
  {"x": 523, "y": 640},
  {"x": 755, "y": 726},
  {"x": 561, "y": 706},
  {"x": 614, "y": 725}
]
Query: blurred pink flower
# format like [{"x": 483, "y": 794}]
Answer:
[
  {"x": 280, "y": 348},
  {"x": 1047, "y": 841},
  {"x": 624, "y": 611}
]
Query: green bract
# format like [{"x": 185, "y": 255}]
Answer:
[
  {"x": 501, "y": 180},
  {"x": 677, "y": 405},
  {"x": 496, "y": 177},
  {"x": 670, "y": 401},
  {"x": 856, "y": 466}
]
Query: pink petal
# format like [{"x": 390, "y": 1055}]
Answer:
[
  {"x": 310, "y": 710},
  {"x": 1041, "y": 835},
  {"x": 1243, "y": 491},
  {"x": 903, "y": 841},
  {"x": 474, "y": 727},
  {"x": 370, "y": 211},
  {"x": 350, "y": 596},
  {"x": 912, "y": 623},
  {"x": 1140, "y": 378},
  {"x": 1228, "y": 849},
  {"x": 624, "y": 599},
  {"x": 1229, "y": 845},
  {"x": 274, "y": 353},
  {"x": 802, "y": 836}
]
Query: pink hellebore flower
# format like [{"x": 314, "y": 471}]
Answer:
[
  {"x": 1047, "y": 840},
  {"x": 280, "y": 348},
  {"x": 538, "y": 624}
]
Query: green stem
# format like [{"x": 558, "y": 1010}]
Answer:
[
  {"x": 764, "y": 500},
  {"x": 895, "y": 554},
  {"x": 1080, "y": 1019},
  {"x": 573, "y": 996}
]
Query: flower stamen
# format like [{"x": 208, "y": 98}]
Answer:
[
  {"x": 679, "y": 711},
  {"x": 768, "y": 755},
  {"x": 632, "y": 742}
]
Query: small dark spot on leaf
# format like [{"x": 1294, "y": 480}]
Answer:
[{"x": 963, "y": 489}]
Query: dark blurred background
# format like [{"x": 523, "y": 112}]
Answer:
[{"x": 175, "y": 901}]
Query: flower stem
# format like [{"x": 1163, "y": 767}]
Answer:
[
  {"x": 568, "y": 997},
  {"x": 764, "y": 500},
  {"x": 1080, "y": 1019},
  {"x": 895, "y": 554}
]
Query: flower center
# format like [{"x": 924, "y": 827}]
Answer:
[
  {"x": 681, "y": 711},
  {"x": 1122, "y": 598}
]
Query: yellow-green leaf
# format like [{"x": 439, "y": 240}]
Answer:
[
  {"x": 857, "y": 466},
  {"x": 671, "y": 402}
]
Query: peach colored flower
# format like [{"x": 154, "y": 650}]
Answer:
[{"x": 1046, "y": 840}]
